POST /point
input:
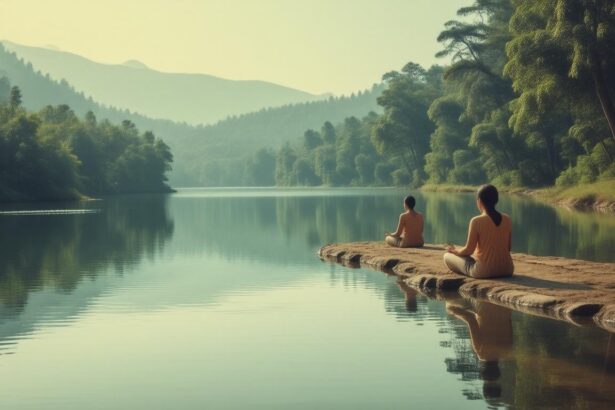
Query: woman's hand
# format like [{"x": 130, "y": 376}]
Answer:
[{"x": 452, "y": 249}]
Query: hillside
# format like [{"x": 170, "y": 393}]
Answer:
[
  {"x": 193, "y": 98},
  {"x": 195, "y": 148}
]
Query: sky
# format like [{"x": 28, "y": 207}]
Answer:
[{"x": 319, "y": 46}]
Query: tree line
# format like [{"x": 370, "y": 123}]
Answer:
[
  {"x": 52, "y": 154},
  {"x": 205, "y": 155},
  {"x": 526, "y": 101}
]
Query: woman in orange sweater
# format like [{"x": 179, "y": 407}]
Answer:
[
  {"x": 409, "y": 233},
  {"x": 487, "y": 250}
]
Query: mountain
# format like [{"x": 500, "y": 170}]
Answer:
[
  {"x": 191, "y": 98},
  {"x": 196, "y": 148}
]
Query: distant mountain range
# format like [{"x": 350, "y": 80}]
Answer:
[
  {"x": 192, "y": 98},
  {"x": 196, "y": 148}
]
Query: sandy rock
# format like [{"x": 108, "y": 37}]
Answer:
[{"x": 566, "y": 289}]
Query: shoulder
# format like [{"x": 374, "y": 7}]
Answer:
[
  {"x": 477, "y": 219},
  {"x": 506, "y": 219}
]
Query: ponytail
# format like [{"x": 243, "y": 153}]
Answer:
[{"x": 488, "y": 195}]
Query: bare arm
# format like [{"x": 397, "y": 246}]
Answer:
[
  {"x": 471, "y": 242},
  {"x": 465, "y": 315},
  {"x": 400, "y": 228},
  {"x": 471, "y": 320}
]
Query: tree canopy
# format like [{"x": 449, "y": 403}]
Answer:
[{"x": 53, "y": 154}]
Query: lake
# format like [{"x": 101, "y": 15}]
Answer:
[{"x": 215, "y": 298}]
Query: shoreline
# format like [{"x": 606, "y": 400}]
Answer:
[
  {"x": 82, "y": 198},
  {"x": 594, "y": 197},
  {"x": 576, "y": 291}
]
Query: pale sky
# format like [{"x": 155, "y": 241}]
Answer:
[{"x": 336, "y": 46}]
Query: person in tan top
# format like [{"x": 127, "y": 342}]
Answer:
[
  {"x": 409, "y": 233},
  {"x": 487, "y": 250}
]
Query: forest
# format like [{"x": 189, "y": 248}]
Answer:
[
  {"x": 526, "y": 101},
  {"x": 204, "y": 155},
  {"x": 53, "y": 155}
]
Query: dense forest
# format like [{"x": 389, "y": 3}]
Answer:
[
  {"x": 205, "y": 155},
  {"x": 53, "y": 154},
  {"x": 526, "y": 101}
]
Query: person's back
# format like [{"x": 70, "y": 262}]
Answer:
[
  {"x": 487, "y": 250},
  {"x": 409, "y": 233},
  {"x": 492, "y": 248},
  {"x": 412, "y": 222}
]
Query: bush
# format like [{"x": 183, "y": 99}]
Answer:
[
  {"x": 400, "y": 177},
  {"x": 567, "y": 178}
]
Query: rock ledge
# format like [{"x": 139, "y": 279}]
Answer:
[{"x": 567, "y": 289}]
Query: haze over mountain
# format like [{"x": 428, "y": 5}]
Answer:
[
  {"x": 197, "y": 149},
  {"x": 191, "y": 98}
]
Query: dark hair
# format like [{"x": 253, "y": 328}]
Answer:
[
  {"x": 411, "y": 305},
  {"x": 489, "y": 370},
  {"x": 410, "y": 201},
  {"x": 488, "y": 195},
  {"x": 492, "y": 390}
]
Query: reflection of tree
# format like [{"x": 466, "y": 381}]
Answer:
[
  {"x": 538, "y": 229},
  {"x": 285, "y": 226},
  {"x": 58, "y": 251}
]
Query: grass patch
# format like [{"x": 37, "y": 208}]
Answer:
[
  {"x": 595, "y": 192},
  {"x": 449, "y": 188}
]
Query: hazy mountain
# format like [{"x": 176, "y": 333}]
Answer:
[
  {"x": 193, "y": 98},
  {"x": 196, "y": 148}
]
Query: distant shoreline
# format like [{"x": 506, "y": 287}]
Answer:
[
  {"x": 596, "y": 196},
  {"x": 593, "y": 197},
  {"x": 82, "y": 198}
]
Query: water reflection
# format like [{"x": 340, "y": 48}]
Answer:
[
  {"x": 281, "y": 226},
  {"x": 525, "y": 361},
  {"x": 55, "y": 253},
  {"x": 204, "y": 260},
  {"x": 491, "y": 336}
]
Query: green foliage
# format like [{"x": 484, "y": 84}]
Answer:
[
  {"x": 260, "y": 170},
  {"x": 402, "y": 132},
  {"x": 55, "y": 155},
  {"x": 526, "y": 101},
  {"x": 338, "y": 156},
  {"x": 205, "y": 155}
]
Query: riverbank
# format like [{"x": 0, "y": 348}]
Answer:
[
  {"x": 597, "y": 196},
  {"x": 567, "y": 289}
]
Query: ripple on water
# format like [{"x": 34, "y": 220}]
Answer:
[{"x": 48, "y": 212}]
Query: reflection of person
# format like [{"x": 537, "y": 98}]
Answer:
[
  {"x": 409, "y": 294},
  {"x": 487, "y": 250},
  {"x": 409, "y": 233},
  {"x": 491, "y": 333}
]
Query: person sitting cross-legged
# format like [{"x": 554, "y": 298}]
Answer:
[
  {"x": 487, "y": 250},
  {"x": 409, "y": 233}
]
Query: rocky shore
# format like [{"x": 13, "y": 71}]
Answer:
[{"x": 567, "y": 289}]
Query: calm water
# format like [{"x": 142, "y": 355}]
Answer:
[{"x": 215, "y": 299}]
